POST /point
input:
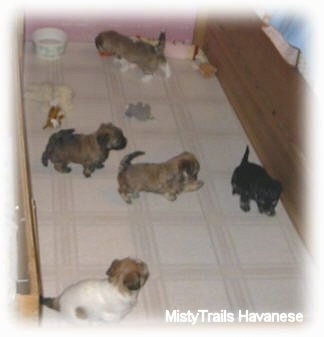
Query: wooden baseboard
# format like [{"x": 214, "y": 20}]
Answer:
[
  {"x": 28, "y": 268},
  {"x": 28, "y": 308}
]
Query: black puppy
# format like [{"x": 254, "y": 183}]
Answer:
[{"x": 252, "y": 182}]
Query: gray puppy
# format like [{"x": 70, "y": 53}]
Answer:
[{"x": 148, "y": 57}]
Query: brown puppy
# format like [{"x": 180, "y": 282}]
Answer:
[
  {"x": 90, "y": 150},
  {"x": 170, "y": 178},
  {"x": 103, "y": 300},
  {"x": 148, "y": 58}
]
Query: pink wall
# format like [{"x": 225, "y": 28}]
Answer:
[{"x": 84, "y": 28}]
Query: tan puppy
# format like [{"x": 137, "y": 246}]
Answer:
[
  {"x": 103, "y": 300},
  {"x": 148, "y": 58},
  {"x": 90, "y": 150},
  {"x": 176, "y": 175}
]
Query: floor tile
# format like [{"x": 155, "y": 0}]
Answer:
[
  {"x": 98, "y": 243},
  {"x": 197, "y": 295},
  {"x": 218, "y": 159},
  {"x": 96, "y": 194},
  {"x": 278, "y": 295},
  {"x": 86, "y": 83},
  {"x": 262, "y": 244},
  {"x": 195, "y": 86},
  {"x": 214, "y": 116},
  {"x": 184, "y": 244}
]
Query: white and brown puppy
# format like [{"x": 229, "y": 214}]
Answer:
[
  {"x": 90, "y": 150},
  {"x": 149, "y": 58},
  {"x": 104, "y": 300},
  {"x": 170, "y": 178}
]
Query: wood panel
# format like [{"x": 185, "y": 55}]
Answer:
[
  {"x": 28, "y": 273},
  {"x": 269, "y": 97}
]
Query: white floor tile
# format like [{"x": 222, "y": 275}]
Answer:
[
  {"x": 197, "y": 295},
  {"x": 261, "y": 244},
  {"x": 97, "y": 243},
  {"x": 184, "y": 244},
  {"x": 278, "y": 295}
]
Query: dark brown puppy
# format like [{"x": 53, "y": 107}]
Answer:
[
  {"x": 170, "y": 178},
  {"x": 90, "y": 150}
]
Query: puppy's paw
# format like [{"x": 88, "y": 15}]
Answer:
[
  {"x": 146, "y": 78},
  {"x": 269, "y": 212},
  {"x": 87, "y": 174},
  {"x": 124, "y": 68},
  {"x": 124, "y": 65},
  {"x": 199, "y": 184},
  {"x": 234, "y": 189},
  {"x": 126, "y": 197},
  {"x": 193, "y": 186},
  {"x": 167, "y": 75},
  {"x": 116, "y": 60},
  {"x": 62, "y": 168},
  {"x": 135, "y": 195},
  {"x": 245, "y": 206},
  {"x": 169, "y": 196},
  {"x": 166, "y": 69}
]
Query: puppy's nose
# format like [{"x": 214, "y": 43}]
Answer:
[{"x": 124, "y": 142}]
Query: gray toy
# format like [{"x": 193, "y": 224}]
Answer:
[{"x": 139, "y": 111}]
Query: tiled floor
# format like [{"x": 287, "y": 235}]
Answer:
[{"x": 202, "y": 250}]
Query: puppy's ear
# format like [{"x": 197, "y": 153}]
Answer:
[
  {"x": 112, "y": 270},
  {"x": 188, "y": 167},
  {"x": 103, "y": 139},
  {"x": 132, "y": 281}
]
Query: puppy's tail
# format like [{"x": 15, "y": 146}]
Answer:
[
  {"x": 50, "y": 302},
  {"x": 126, "y": 161},
  {"x": 98, "y": 43},
  {"x": 159, "y": 48},
  {"x": 246, "y": 156},
  {"x": 45, "y": 157},
  {"x": 55, "y": 140}
]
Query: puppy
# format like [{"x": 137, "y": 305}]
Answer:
[
  {"x": 148, "y": 57},
  {"x": 90, "y": 150},
  {"x": 252, "y": 182},
  {"x": 103, "y": 300},
  {"x": 178, "y": 174}
]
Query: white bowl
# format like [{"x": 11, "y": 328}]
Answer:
[{"x": 49, "y": 43}]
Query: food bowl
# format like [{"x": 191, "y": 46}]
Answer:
[{"x": 49, "y": 43}]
